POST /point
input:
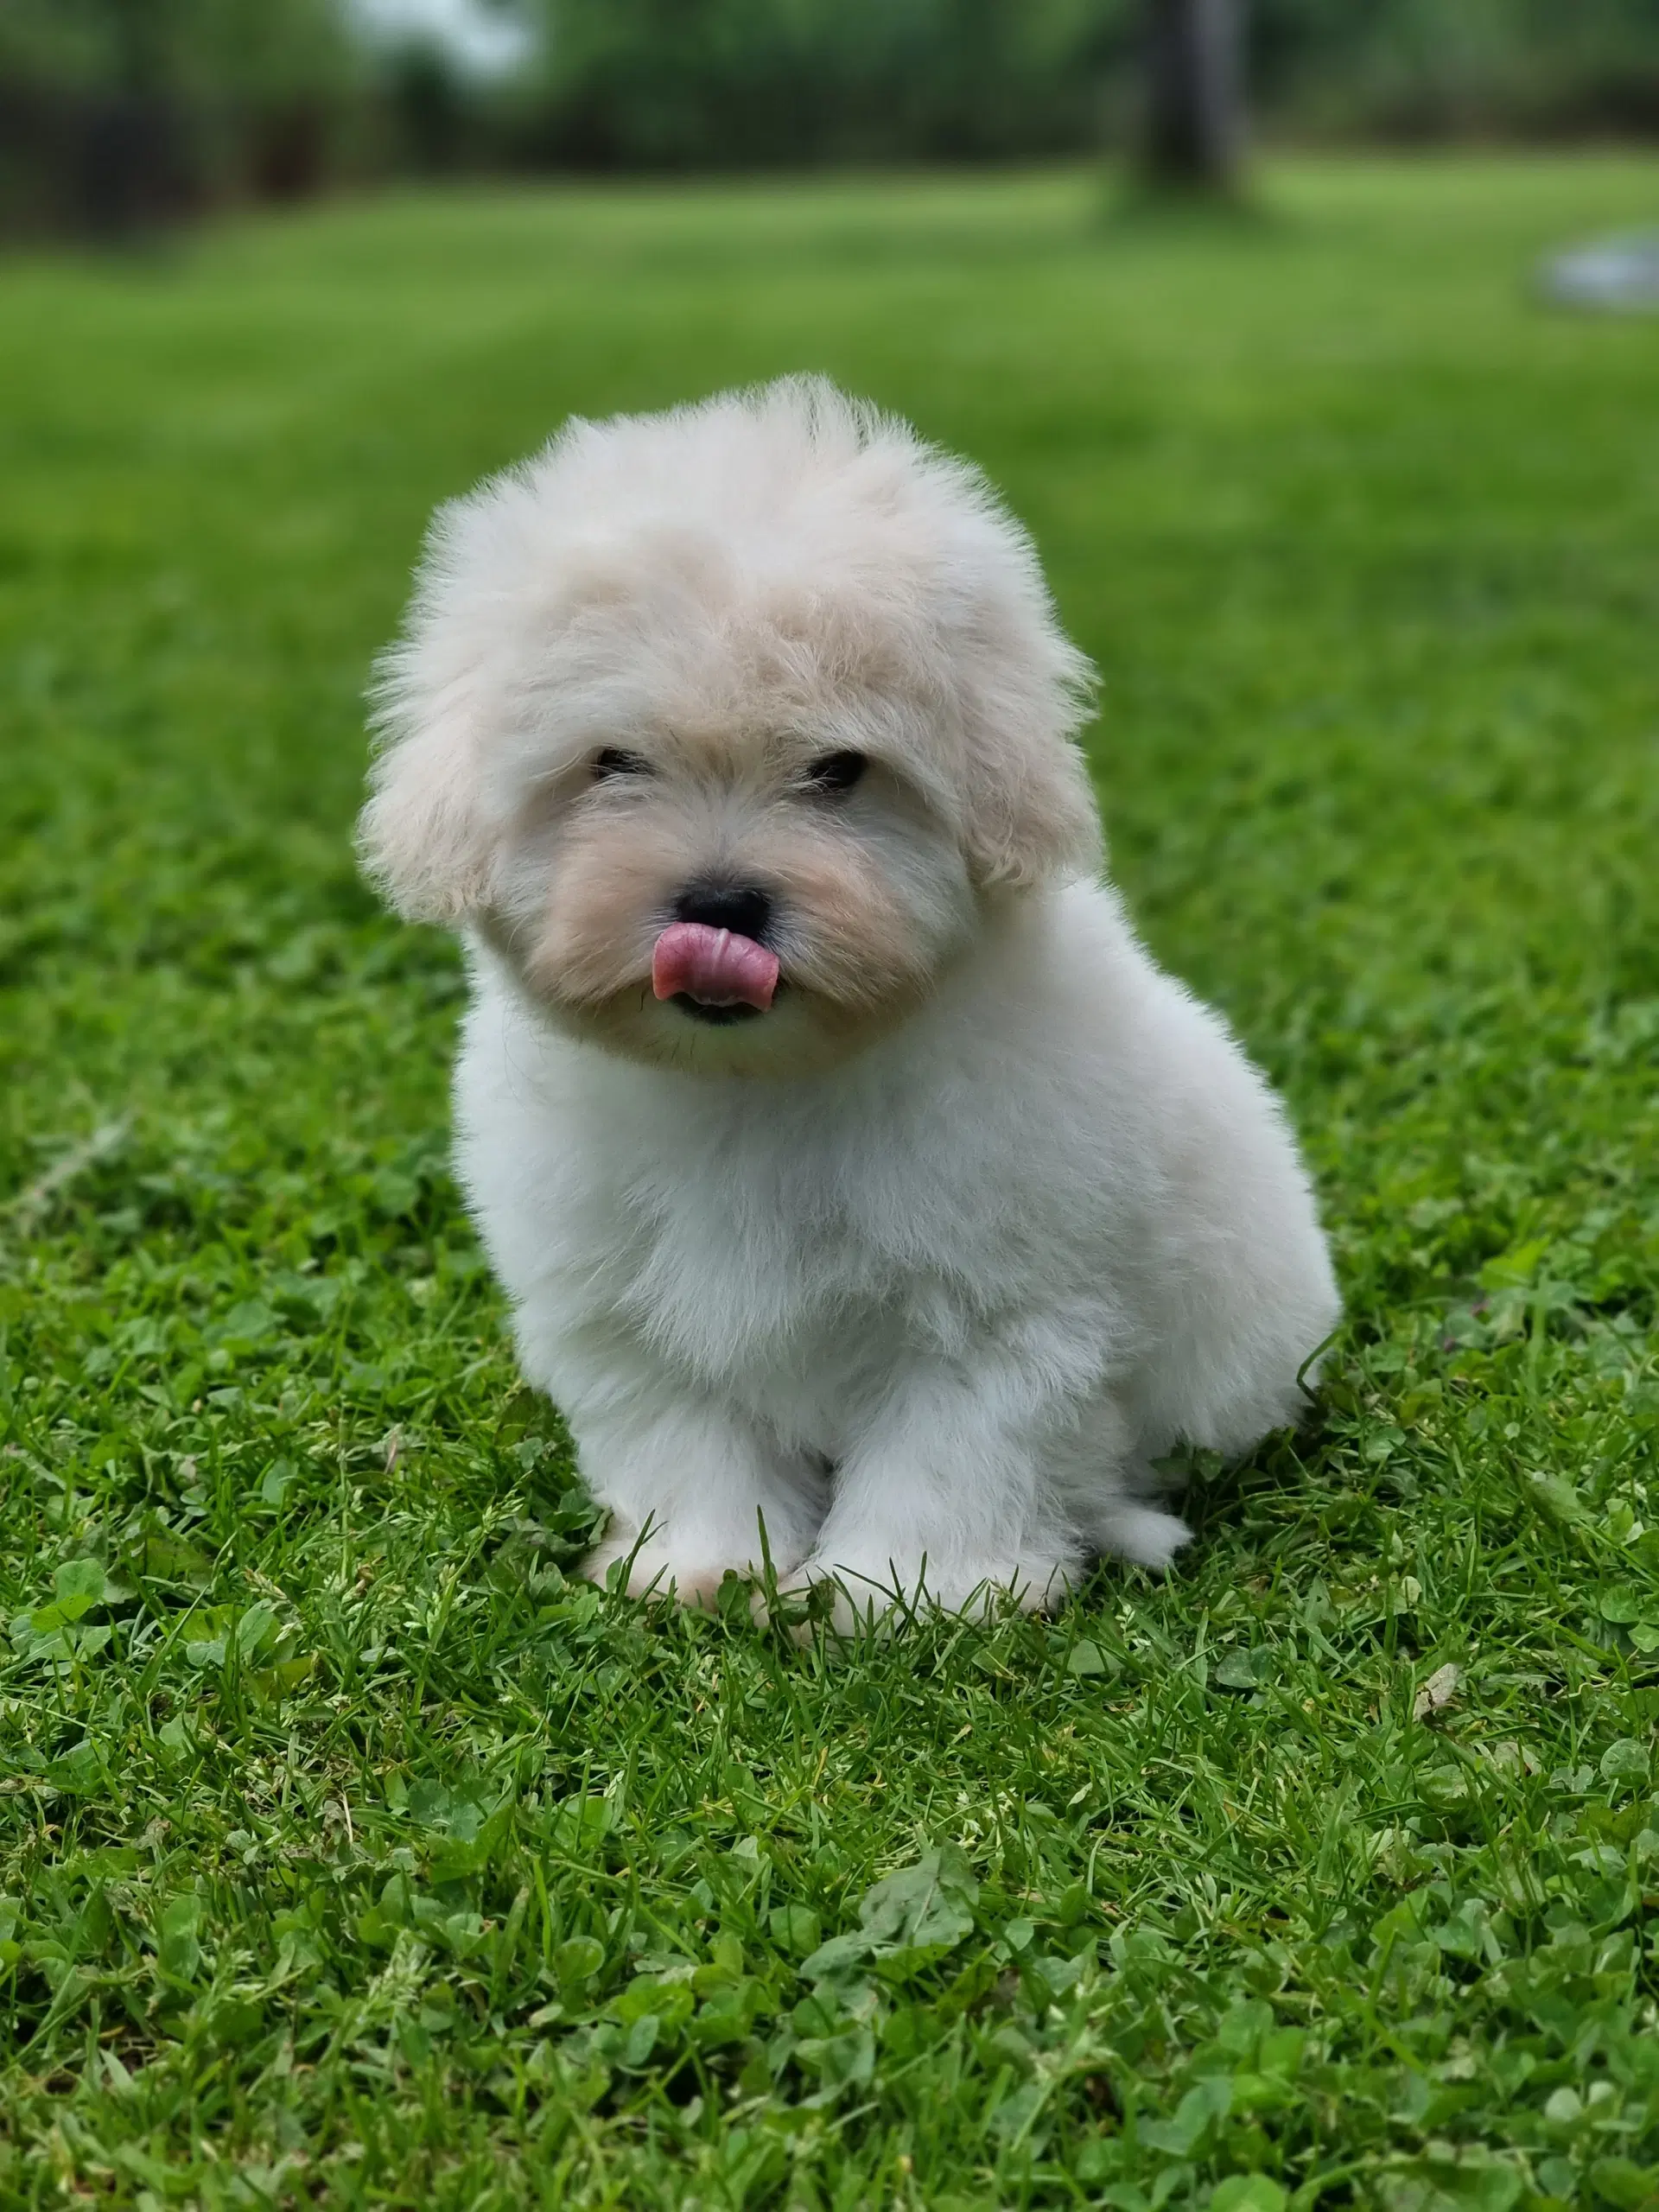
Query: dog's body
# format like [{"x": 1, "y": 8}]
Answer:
[{"x": 854, "y": 1173}]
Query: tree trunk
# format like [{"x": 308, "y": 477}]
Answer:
[{"x": 1195, "y": 122}]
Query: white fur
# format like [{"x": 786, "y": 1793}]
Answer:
[{"x": 923, "y": 1270}]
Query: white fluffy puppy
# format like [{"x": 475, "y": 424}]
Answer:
[{"x": 853, "y": 1171}]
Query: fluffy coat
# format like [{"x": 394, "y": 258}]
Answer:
[{"x": 911, "y": 1277}]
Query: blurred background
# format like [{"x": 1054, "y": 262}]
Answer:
[
  {"x": 1355, "y": 519},
  {"x": 118, "y": 115},
  {"x": 1358, "y": 514}
]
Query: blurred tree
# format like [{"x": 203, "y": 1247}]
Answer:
[
  {"x": 1195, "y": 94},
  {"x": 128, "y": 110},
  {"x": 1433, "y": 68},
  {"x": 115, "y": 114},
  {"x": 429, "y": 105},
  {"x": 723, "y": 83}
]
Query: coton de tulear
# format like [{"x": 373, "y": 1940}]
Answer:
[{"x": 855, "y": 1175}]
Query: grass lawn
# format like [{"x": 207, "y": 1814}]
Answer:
[{"x": 349, "y": 1852}]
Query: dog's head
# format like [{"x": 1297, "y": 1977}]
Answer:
[{"x": 729, "y": 728}]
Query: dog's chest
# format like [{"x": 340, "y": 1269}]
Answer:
[
  {"x": 734, "y": 1266},
  {"x": 762, "y": 1270}
]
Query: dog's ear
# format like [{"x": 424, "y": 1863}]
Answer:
[
  {"x": 422, "y": 837},
  {"x": 1019, "y": 691},
  {"x": 1025, "y": 692},
  {"x": 426, "y": 838},
  {"x": 1030, "y": 810}
]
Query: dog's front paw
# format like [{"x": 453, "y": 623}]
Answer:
[
  {"x": 846, "y": 1595},
  {"x": 687, "y": 1572},
  {"x": 654, "y": 1569}
]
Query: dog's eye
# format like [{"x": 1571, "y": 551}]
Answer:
[
  {"x": 836, "y": 771},
  {"x": 613, "y": 761}
]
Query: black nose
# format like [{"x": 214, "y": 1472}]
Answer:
[{"x": 742, "y": 908}]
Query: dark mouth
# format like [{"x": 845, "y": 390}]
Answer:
[{"x": 717, "y": 1017}]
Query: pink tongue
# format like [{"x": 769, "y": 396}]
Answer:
[{"x": 712, "y": 967}]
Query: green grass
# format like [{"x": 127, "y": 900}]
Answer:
[{"x": 351, "y": 1853}]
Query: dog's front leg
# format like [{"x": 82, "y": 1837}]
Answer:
[
  {"x": 690, "y": 1486},
  {"x": 946, "y": 1498},
  {"x": 994, "y": 1474}
]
